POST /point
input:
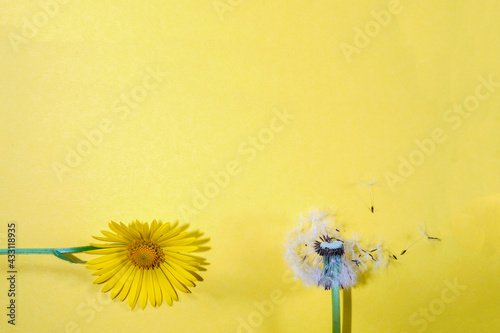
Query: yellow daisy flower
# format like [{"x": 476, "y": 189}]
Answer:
[{"x": 143, "y": 261}]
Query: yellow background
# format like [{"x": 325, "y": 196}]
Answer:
[{"x": 226, "y": 71}]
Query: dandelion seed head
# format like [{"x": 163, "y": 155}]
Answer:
[{"x": 313, "y": 247}]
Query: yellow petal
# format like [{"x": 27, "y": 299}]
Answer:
[
  {"x": 135, "y": 288},
  {"x": 172, "y": 233},
  {"x": 126, "y": 287},
  {"x": 105, "y": 258},
  {"x": 100, "y": 245},
  {"x": 108, "y": 250},
  {"x": 114, "y": 237},
  {"x": 167, "y": 288},
  {"x": 132, "y": 231},
  {"x": 105, "y": 264},
  {"x": 138, "y": 227},
  {"x": 120, "y": 231},
  {"x": 199, "y": 260},
  {"x": 105, "y": 239},
  {"x": 189, "y": 248},
  {"x": 160, "y": 231},
  {"x": 145, "y": 231},
  {"x": 115, "y": 278},
  {"x": 183, "y": 257},
  {"x": 143, "y": 297},
  {"x": 104, "y": 269},
  {"x": 153, "y": 227},
  {"x": 172, "y": 238},
  {"x": 156, "y": 283},
  {"x": 151, "y": 288},
  {"x": 109, "y": 274},
  {"x": 175, "y": 282},
  {"x": 180, "y": 242},
  {"x": 181, "y": 263},
  {"x": 118, "y": 288},
  {"x": 181, "y": 274}
]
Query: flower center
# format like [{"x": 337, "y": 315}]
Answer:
[{"x": 145, "y": 254}]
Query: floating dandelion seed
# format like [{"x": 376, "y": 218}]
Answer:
[
  {"x": 369, "y": 184},
  {"x": 372, "y": 208},
  {"x": 423, "y": 231}
]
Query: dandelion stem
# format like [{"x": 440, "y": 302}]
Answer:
[
  {"x": 64, "y": 253},
  {"x": 335, "y": 309},
  {"x": 336, "y": 298}
]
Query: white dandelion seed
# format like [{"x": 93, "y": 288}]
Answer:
[
  {"x": 423, "y": 232},
  {"x": 369, "y": 185}
]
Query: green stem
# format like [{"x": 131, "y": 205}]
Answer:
[
  {"x": 64, "y": 253},
  {"x": 335, "y": 309},
  {"x": 334, "y": 275},
  {"x": 336, "y": 297}
]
